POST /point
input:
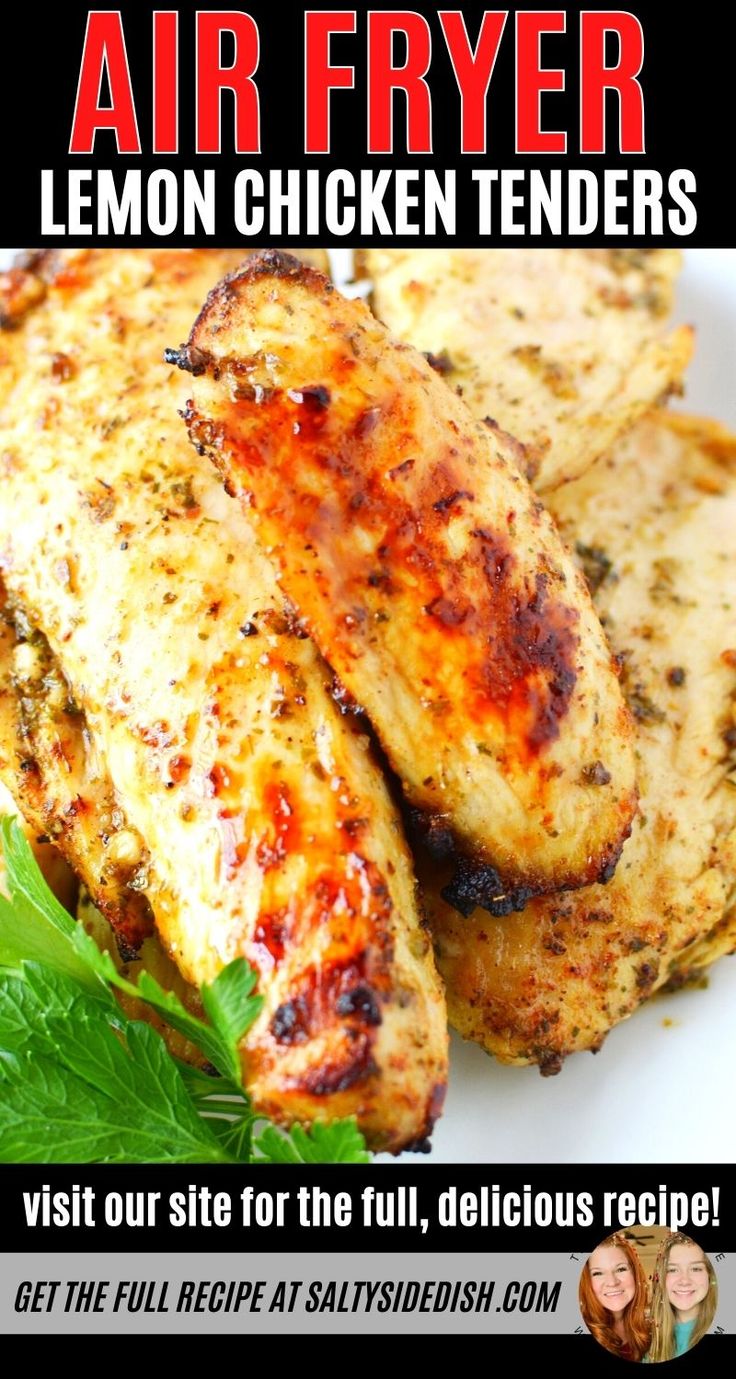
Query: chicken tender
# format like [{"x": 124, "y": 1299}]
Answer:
[
  {"x": 430, "y": 577},
  {"x": 564, "y": 348},
  {"x": 654, "y": 527},
  {"x": 167, "y": 723}
]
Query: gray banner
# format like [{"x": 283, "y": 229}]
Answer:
[{"x": 321, "y": 1293}]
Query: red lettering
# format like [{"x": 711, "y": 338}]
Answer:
[
  {"x": 473, "y": 70},
  {"x": 213, "y": 79},
  {"x": 384, "y": 79},
  {"x": 532, "y": 79},
  {"x": 165, "y": 81},
  {"x": 319, "y": 76},
  {"x": 596, "y": 79},
  {"x": 104, "y": 52}
]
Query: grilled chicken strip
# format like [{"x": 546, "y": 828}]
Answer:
[
  {"x": 172, "y": 729},
  {"x": 655, "y": 530},
  {"x": 428, "y": 574},
  {"x": 61, "y": 787},
  {"x": 564, "y": 348}
]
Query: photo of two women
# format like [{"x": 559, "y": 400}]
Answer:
[{"x": 648, "y": 1295}]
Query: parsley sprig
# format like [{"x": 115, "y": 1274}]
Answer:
[{"x": 82, "y": 1082}]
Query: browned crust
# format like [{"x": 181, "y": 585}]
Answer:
[
  {"x": 328, "y": 1049},
  {"x": 528, "y": 672}
]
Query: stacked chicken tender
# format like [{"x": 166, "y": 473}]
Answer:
[
  {"x": 226, "y": 705},
  {"x": 566, "y": 348},
  {"x": 563, "y": 348},
  {"x": 167, "y": 724},
  {"x": 562, "y": 358},
  {"x": 653, "y": 523}
]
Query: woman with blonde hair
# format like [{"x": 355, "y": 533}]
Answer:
[
  {"x": 613, "y": 1298},
  {"x": 684, "y": 1298}
]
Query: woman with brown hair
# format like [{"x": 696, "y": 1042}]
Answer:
[
  {"x": 684, "y": 1298},
  {"x": 613, "y": 1298}
]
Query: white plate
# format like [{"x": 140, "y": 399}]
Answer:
[{"x": 661, "y": 1088}]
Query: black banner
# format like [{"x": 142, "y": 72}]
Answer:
[
  {"x": 463, "y": 1208},
  {"x": 433, "y": 127}
]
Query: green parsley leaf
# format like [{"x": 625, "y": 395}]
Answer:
[
  {"x": 217, "y": 1050},
  {"x": 32, "y": 923},
  {"x": 36, "y": 926},
  {"x": 338, "y": 1142},
  {"x": 77, "y": 1088},
  {"x": 231, "y": 1006},
  {"x": 80, "y": 1082}
]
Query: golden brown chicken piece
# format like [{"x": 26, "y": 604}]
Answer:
[
  {"x": 45, "y": 758},
  {"x": 564, "y": 348},
  {"x": 170, "y": 726},
  {"x": 655, "y": 530},
  {"x": 430, "y": 577},
  {"x": 52, "y": 865}
]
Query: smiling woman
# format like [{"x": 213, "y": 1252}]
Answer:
[
  {"x": 684, "y": 1298},
  {"x": 613, "y": 1291}
]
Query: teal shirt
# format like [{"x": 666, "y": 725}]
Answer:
[{"x": 683, "y": 1332}]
